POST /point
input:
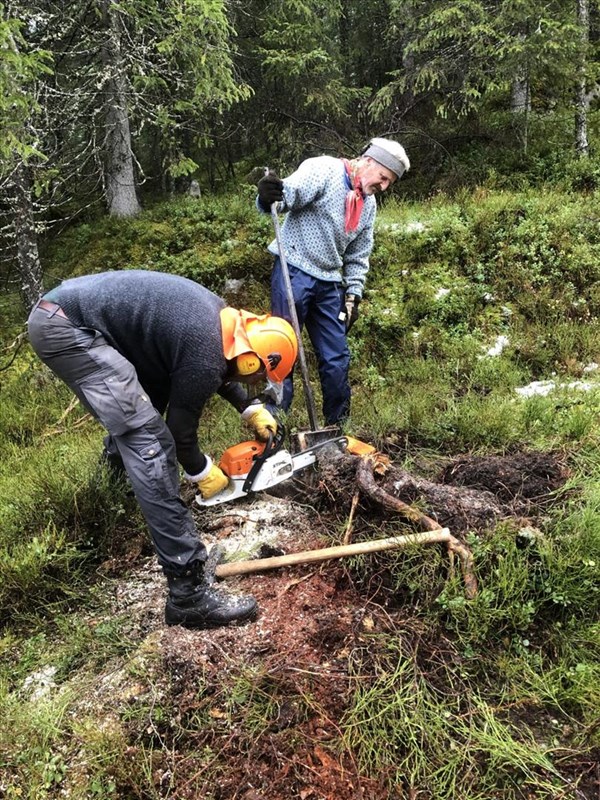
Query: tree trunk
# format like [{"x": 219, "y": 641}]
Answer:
[
  {"x": 520, "y": 106},
  {"x": 119, "y": 173},
  {"x": 28, "y": 259},
  {"x": 582, "y": 100},
  {"x": 18, "y": 183},
  {"x": 520, "y": 100}
]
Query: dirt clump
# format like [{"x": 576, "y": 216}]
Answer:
[{"x": 528, "y": 481}]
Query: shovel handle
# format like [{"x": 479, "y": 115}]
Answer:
[{"x": 308, "y": 393}]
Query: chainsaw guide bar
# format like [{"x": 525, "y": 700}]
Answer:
[{"x": 253, "y": 466}]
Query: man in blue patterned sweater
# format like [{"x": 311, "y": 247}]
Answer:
[
  {"x": 136, "y": 345},
  {"x": 327, "y": 236}
]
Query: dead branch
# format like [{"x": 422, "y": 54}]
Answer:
[{"x": 56, "y": 429}]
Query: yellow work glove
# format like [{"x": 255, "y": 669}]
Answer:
[
  {"x": 211, "y": 480},
  {"x": 261, "y": 421}
]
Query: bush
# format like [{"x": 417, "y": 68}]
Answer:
[{"x": 204, "y": 240}]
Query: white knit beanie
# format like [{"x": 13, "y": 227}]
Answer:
[{"x": 389, "y": 154}]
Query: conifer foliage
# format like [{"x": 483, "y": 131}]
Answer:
[{"x": 106, "y": 101}]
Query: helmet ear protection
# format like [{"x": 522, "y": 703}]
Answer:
[
  {"x": 248, "y": 363},
  {"x": 274, "y": 341}
]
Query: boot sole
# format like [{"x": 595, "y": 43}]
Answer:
[{"x": 190, "y": 621}]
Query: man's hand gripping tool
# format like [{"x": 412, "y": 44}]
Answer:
[{"x": 255, "y": 466}]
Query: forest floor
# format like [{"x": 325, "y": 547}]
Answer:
[{"x": 253, "y": 711}]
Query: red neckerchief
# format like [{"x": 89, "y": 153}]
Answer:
[{"x": 355, "y": 199}]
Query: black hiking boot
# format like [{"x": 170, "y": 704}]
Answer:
[{"x": 194, "y": 603}]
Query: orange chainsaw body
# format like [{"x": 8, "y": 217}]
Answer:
[{"x": 237, "y": 460}]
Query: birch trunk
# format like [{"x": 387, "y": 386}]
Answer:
[
  {"x": 23, "y": 223},
  {"x": 582, "y": 99}
]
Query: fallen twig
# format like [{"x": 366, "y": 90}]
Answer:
[
  {"x": 348, "y": 533},
  {"x": 17, "y": 345},
  {"x": 56, "y": 429}
]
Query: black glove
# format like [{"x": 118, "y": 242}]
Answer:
[
  {"x": 350, "y": 310},
  {"x": 270, "y": 190}
]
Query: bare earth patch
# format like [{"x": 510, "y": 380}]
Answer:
[
  {"x": 294, "y": 659},
  {"x": 292, "y": 669}
]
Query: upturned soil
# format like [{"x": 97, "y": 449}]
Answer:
[{"x": 254, "y": 710}]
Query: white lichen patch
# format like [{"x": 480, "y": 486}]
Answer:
[
  {"x": 499, "y": 345},
  {"x": 39, "y": 684},
  {"x": 543, "y": 388}
]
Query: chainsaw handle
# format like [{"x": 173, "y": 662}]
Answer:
[{"x": 273, "y": 445}]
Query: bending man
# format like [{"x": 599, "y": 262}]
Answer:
[{"x": 133, "y": 345}]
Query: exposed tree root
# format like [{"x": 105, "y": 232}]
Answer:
[
  {"x": 365, "y": 477},
  {"x": 457, "y": 507}
]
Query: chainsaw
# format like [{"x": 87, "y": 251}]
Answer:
[{"x": 255, "y": 466}]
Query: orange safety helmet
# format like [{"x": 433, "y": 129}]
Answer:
[{"x": 272, "y": 339}]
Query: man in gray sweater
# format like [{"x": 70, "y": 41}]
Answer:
[{"x": 136, "y": 345}]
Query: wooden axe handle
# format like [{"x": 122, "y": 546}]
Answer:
[{"x": 340, "y": 551}]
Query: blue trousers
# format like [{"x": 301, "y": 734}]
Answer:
[{"x": 318, "y": 305}]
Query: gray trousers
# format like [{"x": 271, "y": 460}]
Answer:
[{"x": 107, "y": 385}]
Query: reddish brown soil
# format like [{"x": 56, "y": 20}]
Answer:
[
  {"x": 294, "y": 662},
  {"x": 297, "y": 656}
]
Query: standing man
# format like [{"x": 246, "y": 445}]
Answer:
[
  {"x": 327, "y": 238},
  {"x": 133, "y": 345}
]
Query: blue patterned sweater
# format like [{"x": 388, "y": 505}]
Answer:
[{"x": 313, "y": 235}]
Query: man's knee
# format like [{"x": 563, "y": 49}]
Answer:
[{"x": 149, "y": 457}]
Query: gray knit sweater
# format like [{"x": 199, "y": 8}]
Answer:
[{"x": 169, "y": 328}]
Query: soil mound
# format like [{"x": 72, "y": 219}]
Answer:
[{"x": 529, "y": 478}]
